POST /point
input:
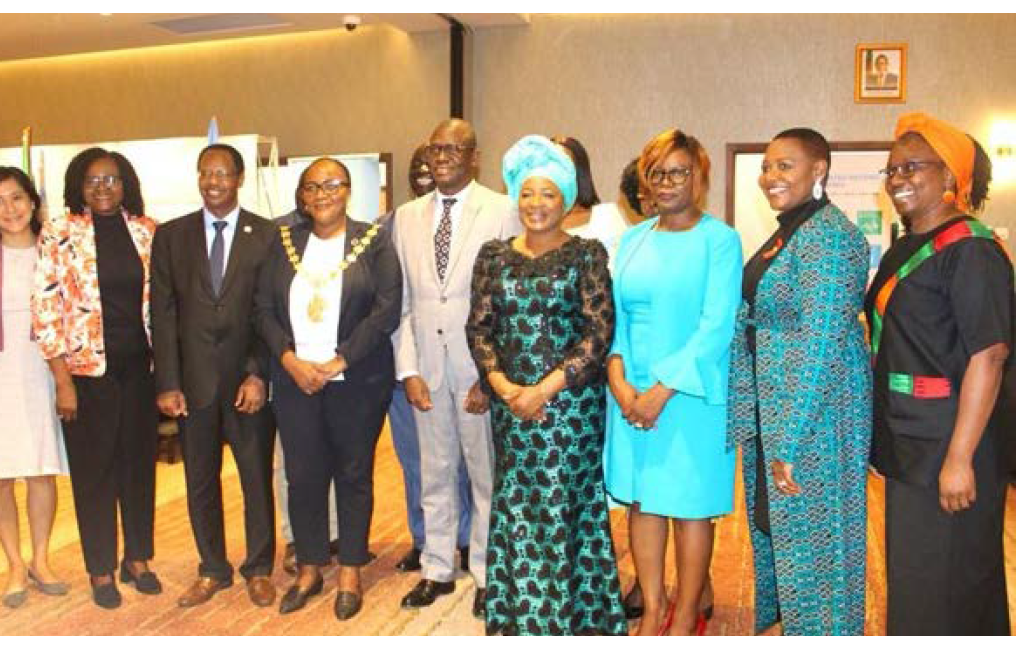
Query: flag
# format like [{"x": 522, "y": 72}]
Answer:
[
  {"x": 40, "y": 182},
  {"x": 212, "y": 131},
  {"x": 26, "y": 150}
]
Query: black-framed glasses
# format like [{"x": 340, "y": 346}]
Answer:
[
  {"x": 96, "y": 181},
  {"x": 450, "y": 150},
  {"x": 676, "y": 175},
  {"x": 907, "y": 168},
  {"x": 329, "y": 186}
]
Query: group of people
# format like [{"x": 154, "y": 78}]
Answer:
[{"x": 537, "y": 357}]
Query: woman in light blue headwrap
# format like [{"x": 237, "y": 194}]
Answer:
[{"x": 540, "y": 327}]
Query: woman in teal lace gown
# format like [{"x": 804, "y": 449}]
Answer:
[{"x": 540, "y": 326}]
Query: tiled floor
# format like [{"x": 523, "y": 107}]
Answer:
[{"x": 231, "y": 613}]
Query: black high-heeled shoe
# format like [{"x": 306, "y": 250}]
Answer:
[
  {"x": 632, "y": 603},
  {"x": 295, "y": 599}
]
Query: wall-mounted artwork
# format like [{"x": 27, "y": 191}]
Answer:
[{"x": 881, "y": 73}]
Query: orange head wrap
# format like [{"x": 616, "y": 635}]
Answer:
[{"x": 955, "y": 148}]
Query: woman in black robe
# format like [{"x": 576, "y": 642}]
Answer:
[{"x": 941, "y": 311}]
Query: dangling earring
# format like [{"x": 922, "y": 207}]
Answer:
[
  {"x": 949, "y": 197},
  {"x": 819, "y": 190}
]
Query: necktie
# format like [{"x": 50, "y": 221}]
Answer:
[
  {"x": 442, "y": 238},
  {"x": 218, "y": 255}
]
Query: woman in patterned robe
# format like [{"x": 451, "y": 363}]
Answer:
[
  {"x": 540, "y": 327},
  {"x": 800, "y": 400}
]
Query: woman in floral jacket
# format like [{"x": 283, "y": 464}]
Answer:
[{"x": 91, "y": 319}]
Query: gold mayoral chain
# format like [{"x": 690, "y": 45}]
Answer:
[{"x": 316, "y": 307}]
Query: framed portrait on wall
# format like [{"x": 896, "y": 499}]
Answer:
[{"x": 880, "y": 73}]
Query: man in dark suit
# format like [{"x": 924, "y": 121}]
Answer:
[{"x": 211, "y": 369}]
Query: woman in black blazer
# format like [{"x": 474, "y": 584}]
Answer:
[{"x": 328, "y": 300}]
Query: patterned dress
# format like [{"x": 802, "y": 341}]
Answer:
[
  {"x": 812, "y": 386},
  {"x": 550, "y": 559}
]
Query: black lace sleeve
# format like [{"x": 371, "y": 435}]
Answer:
[
  {"x": 481, "y": 318},
  {"x": 586, "y": 359}
]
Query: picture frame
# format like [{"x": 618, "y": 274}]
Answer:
[{"x": 880, "y": 73}]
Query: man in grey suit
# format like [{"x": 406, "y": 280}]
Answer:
[{"x": 437, "y": 238}]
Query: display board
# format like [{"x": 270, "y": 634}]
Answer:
[
  {"x": 854, "y": 185},
  {"x": 166, "y": 170}
]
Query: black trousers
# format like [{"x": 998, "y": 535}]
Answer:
[
  {"x": 330, "y": 437},
  {"x": 945, "y": 572},
  {"x": 252, "y": 439},
  {"x": 112, "y": 453}
]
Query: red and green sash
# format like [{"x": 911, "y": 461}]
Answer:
[{"x": 958, "y": 231}]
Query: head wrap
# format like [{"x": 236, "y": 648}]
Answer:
[
  {"x": 537, "y": 156},
  {"x": 954, "y": 147}
]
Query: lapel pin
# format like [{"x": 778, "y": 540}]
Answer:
[{"x": 247, "y": 229}]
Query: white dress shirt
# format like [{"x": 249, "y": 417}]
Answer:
[
  {"x": 456, "y": 211},
  {"x": 228, "y": 232}
]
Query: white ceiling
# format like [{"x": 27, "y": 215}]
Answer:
[{"x": 28, "y": 36}]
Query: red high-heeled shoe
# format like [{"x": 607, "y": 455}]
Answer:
[
  {"x": 666, "y": 627},
  {"x": 701, "y": 625}
]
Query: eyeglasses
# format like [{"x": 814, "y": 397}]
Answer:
[
  {"x": 676, "y": 175},
  {"x": 329, "y": 186},
  {"x": 451, "y": 150},
  {"x": 907, "y": 168},
  {"x": 107, "y": 181},
  {"x": 216, "y": 175}
]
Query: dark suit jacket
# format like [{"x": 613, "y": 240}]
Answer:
[
  {"x": 202, "y": 342},
  {"x": 368, "y": 314}
]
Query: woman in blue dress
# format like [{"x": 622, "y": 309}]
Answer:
[
  {"x": 800, "y": 399},
  {"x": 539, "y": 330},
  {"x": 676, "y": 291}
]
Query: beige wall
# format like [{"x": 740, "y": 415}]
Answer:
[
  {"x": 614, "y": 82},
  {"x": 374, "y": 90}
]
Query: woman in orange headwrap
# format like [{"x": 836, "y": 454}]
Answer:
[{"x": 941, "y": 310}]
